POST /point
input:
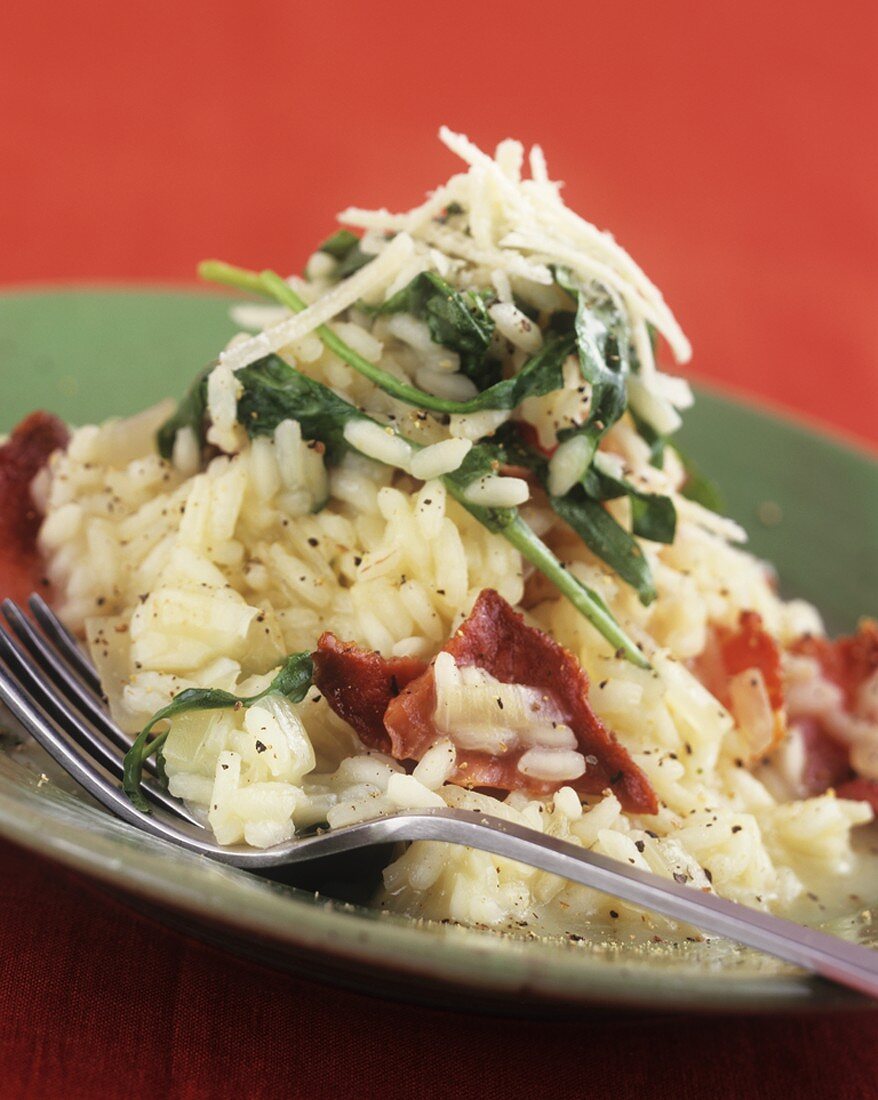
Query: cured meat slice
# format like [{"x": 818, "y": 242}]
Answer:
[
  {"x": 22, "y": 456},
  {"x": 391, "y": 703},
  {"x": 359, "y": 685}
]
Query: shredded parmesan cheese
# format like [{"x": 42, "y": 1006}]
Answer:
[{"x": 365, "y": 283}]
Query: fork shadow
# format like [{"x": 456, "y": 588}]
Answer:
[{"x": 350, "y": 877}]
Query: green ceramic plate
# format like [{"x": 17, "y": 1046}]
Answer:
[{"x": 808, "y": 501}]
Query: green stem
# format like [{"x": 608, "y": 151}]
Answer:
[
  {"x": 587, "y": 602},
  {"x": 270, "y": 285},
  {"x": 135, "y": 758}
]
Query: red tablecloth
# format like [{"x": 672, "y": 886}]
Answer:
[{"x": 731, "y": 147}]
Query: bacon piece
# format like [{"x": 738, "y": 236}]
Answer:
[
  {"x": 530, "y": 437},
  {"x": 826, "y": 760},
  {"x": 751, "y": 646},
  {"x": 730, "y": 652},
  {"x": 848, "y": 662},
  {"x": 360, "y": 684},
  {"x": 21, "y": 458},
  {"x": 860, "y": 790},
  {"x": 496, "y": 639}
]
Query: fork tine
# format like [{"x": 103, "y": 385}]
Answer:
[
  {"x": 40, "y": 692},
  {"x": 64, "y": 641},
  {"x": 25, "y": 709},
  {"x": 86, "y": 773},
  {"x": 75, "y": 692}
]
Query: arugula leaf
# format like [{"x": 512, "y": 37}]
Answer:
[
  {"x": 339, "y": 244},
  {"x": 603, "y": 359},
  {"x": 608, "y": 539},
  {"x": 603, "y": 346},
  {"x": 588, "y": 603},
  {"x": 292, "y": 681},
  {"x": 654, "y": 516},
  {"x": 190, "y": 413},
  {"x": 541, "y": 375},
  {"x": 457, "y": 321},
  {"x": 273, "y": 391},
  {"x": 344, "y": 246}
]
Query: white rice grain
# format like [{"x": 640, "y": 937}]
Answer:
[
  {"x": 379, "y": 443},
  {"x": 437, "y": 764},
  {"x": 439, "y": 458},
  {"x": 568, "y": 464},
  {"x": 552, "y": 765},
  {"x": 517, "y": 327},
  {"x": 498, "y": 492},
  {"x": 407, "y": 793}
]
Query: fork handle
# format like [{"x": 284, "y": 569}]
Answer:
[{"x": 848, "y": 964}]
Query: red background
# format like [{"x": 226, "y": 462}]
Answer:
[{"x": 730, "y": 147}]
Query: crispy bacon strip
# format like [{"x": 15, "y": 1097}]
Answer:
[
  {"x": 847, "y": 662},
  {"x": 359, "y": 685},
  {"x": 751, "y": 646},
  {"x": 22, "y": 456},
  {"x": 390, "y": 703},
  {"x": 730, "y": 652},
  {"x": 860, "y": 790},
  {"x": 496, "y": 638},
  {"x": 827, "y": 761}
]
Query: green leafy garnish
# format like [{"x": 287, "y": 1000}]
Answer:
[
  {"x": 292, "y": 682},
  {"x": 606, "y": 538},
  {"x": 457, "y": 320},
  {"x": 540, "y": 375},
  {"x": 653, "y": 515},
  {"x": 603, "y": 359},
  {"x": 602, "y": 343},
  {"x": 273, "y": 391},
  {"x": 344, "y": 247},
  {"x": 190, "y": 413},
  {"x": 339, "y": 244},
  {"x": 586, "y": 601}
]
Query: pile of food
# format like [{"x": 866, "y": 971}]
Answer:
[{"x": 423, "y": 538}]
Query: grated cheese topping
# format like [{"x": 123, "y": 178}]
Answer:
[{"x": 520, "y": 228}]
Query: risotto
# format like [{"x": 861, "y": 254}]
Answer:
[{"x": 421, "y": 537}]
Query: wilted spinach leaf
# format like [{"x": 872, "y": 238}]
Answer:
[
  {"x": 344, "y": 247},
  {"x": 292, "y": 681},
  {"x": 457, "y": 320}
]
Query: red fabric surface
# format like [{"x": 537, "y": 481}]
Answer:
[
  {"x": 730, "y": 147},
  {"x": 98, "y": 1003}
]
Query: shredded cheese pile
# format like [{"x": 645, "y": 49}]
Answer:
[{"x": 516, "y": 228}]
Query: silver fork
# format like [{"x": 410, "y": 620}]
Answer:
[{"x": 51, "y": 688}]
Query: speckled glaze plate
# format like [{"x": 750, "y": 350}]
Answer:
[{"x": 809, "y": 503}]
